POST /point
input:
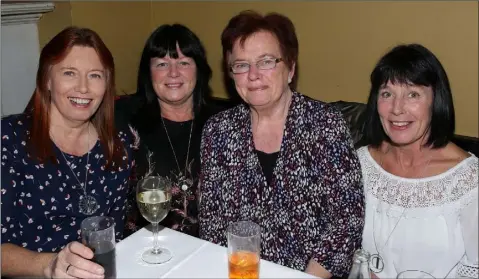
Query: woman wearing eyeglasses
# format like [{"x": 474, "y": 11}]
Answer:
[{"x": 281, "y": 159}]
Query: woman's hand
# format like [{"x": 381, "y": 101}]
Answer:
[
  {"x": 315, "y": 269},
  {"x": 74, "y": 261}
]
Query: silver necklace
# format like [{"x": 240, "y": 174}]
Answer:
[
  {"x": 183, "y": 182},
  {"x": 376, "y": 262},
  {"x": 88, "y": 203}
]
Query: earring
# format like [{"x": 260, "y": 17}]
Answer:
[{"x": 289, "y": 80}]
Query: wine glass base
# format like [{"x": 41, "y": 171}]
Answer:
[{"x": 151, "y": 257}]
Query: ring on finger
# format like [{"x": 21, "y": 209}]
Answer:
[{"x": 66, "y": 271}]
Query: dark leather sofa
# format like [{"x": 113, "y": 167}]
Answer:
[{"x": 353, "y": 113}]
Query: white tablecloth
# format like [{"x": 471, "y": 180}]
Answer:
[{"x": 192, "y": 258}]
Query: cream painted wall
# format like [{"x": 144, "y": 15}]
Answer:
[
  {"x": 123, "y": 26},
  {"x": 54, "y": 22},
  {"x": 339, "y": 41}
]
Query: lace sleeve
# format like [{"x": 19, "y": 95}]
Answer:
[{"x": 468, "y": 266}]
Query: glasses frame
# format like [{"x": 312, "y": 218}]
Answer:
[{"x": 276, "y": 61}]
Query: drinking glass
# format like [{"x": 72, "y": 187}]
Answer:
[
  {"x": 153, "y": 195},
  {"x": 98, "y": 233},
  {"x": 408, "y": 274},
  {"x": 244, "y": 238},
  {"x": 360, "y": 267}
]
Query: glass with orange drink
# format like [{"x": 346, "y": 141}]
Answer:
[{"x": 244, "y": 238}]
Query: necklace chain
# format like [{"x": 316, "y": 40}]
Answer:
[
  {"x": 389, "y": 237},
  {"x": 387, "y": 151},
  {"x": 402, "y": 213},
  {"x": 86, "y": 167},
  {"x": 173, "y": 149},
  {"x": 74, "y": 175},
  {"x": 87, "y": 203}
]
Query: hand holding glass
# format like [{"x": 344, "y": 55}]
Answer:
[
  {"x": 244, "y": 248},
  {"x": 98, "y": 233},
  {"x": 153, "y": 195},
  {"x": 360, "y": 268}
]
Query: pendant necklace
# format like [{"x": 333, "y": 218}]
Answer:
[
  {"x": 376, "y": 261},
  {"x": 88, "y": 203},
  {"x": 183, "y": 182}
]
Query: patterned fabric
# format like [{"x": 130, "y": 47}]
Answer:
[
  {"x": 40, "y": 208},
  {"x": 314, "y": 205},
  {"x": 148, "y": 124},
  {"x": 427, "y": 224},
  {"x": 184, "y": 212}
]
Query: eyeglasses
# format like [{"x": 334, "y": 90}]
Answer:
[{"x": 263, "y": 64}]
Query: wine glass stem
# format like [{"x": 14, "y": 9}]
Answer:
[{"x": 156, "y": 244}]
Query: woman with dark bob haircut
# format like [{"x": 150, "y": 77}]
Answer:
[
  {"x": 63, "y": 161},
  {"x": 168, "y": 112},
  {"x": 280, "y": 159},
  {"x": 421, "y": 189}
]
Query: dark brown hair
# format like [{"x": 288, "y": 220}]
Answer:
[
  {"x": 247, "y": 23},
  {"x": 40, "y": 104}
]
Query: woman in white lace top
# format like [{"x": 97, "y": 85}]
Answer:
[{"x": 421, "y": 189}]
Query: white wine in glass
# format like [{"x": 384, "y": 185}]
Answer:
[{"x": 153, "y": 195}]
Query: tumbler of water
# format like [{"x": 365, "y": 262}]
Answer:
[{"x": 360, "y": 268}]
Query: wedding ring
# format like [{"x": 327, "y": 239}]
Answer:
[{"x": 66, "y": 271}]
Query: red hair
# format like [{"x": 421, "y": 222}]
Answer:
[
  {"x": 39, "y": 106},
  {"x": 247, "y": 23}
]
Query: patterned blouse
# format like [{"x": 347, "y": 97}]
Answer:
[
  {"x": 154, "y": 139},
  {"x": 314, "y": 206},
  {"x": 40, "y": 202}
]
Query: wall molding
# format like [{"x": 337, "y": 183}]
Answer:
[{"x": 24, "y": 13}]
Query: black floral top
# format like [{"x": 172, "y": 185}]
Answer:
[
  {"x": 314, "y": 206},
  {"x": 156, "y": 139},
  {"x": 40, "y": 202}
]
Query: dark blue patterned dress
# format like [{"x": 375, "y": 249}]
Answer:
[
  {"x": 40, "y": 209},
  {"x": 314, "y": 206}
]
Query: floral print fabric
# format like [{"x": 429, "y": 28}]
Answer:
[
  {"x": 314, "y": 207},
  {"x": 155, "y": 156},
  {"x": 39, "y": 207}
]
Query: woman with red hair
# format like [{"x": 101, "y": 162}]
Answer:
[{"x": 63, "y": 161}]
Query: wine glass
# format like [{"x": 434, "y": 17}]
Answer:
[{"x": 153, "y": 195}]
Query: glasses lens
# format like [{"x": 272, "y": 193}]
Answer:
[
  {"x": 239, "y": 68},
  {"x": 266, "y": 64}
]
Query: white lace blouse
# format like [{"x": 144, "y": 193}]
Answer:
[{"x": 428, "y": 224}]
